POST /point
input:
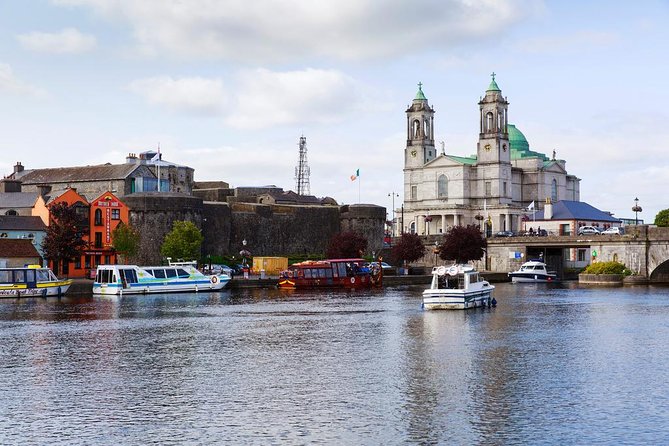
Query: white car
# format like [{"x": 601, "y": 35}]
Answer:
[
  {"x": 584, "y": 230},
  {"x": 614, "y": 230}
]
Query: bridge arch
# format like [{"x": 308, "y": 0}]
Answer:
[{"x": 660, "y": 273}]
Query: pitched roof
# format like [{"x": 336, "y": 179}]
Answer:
[
  {"x": 10, "y": 247},
  {"x": 576, "y": 210},
  {"x": 18, "y": 199},
  {"x": 21, "y": 223},
  {"x": 81, "y": 173}
]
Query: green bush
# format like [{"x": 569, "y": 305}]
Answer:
[{"x": 607, "y": 268}]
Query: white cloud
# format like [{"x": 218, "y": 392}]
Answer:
[
  {"x": 574, "y": 42},
  {"x": 266, "y": 30},
  {"x": 269, "y": 98},
  {"x": 67, "y": 41},
  {"x": 192, "y": 95},
  {"x": 9, "y": 83}
]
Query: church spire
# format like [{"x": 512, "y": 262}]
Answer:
[
  {"x": 493, "y": 85},
  {"x": 420, "y": 96}
]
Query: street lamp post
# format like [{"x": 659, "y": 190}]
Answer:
[
  {"x": 392, "y": 226},
  {"x": 636, "y": 209}
]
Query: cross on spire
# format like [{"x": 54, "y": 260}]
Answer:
[
  {"x": 420, "y": 85},
  {"x": 493, "y": 76}
]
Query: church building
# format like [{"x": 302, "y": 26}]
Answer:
[{"x": 493, "y": 189}]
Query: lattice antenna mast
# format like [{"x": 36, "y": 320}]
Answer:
[{"x": 302, "y": 170}]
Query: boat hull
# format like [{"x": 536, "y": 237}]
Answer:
[
  {"x": 41, "y": 290},
  {"x": 159, "y": 287},
  {"x": 454, "y": 300},
  {"x": 532, "y": 277}
]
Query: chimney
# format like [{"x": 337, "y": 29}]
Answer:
[
  {"x": 18, "y": 167},
  {"x": 548, "y": 210}
]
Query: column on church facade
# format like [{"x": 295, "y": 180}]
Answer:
[
  {"x": 443, "y": 224},
  {"x": 507, "y": 222}
]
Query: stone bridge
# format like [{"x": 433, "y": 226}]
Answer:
[{"x": 643, "y": 249}]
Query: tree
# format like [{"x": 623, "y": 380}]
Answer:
[
  {"x": 408, "y": 248},
  {"x": 64, "y": 235},
  {"x": 462, "y": 244},
  {"x": 346, "y": 245},
  {"x": 184, "y": 242},
  {"x": 125, "y": 240},
  {"x": 662, "y": 218}
]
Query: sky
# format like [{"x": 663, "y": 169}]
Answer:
[{"x": 228, "y": 87}]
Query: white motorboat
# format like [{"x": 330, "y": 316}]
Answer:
[
  {"x": 132, "y": 279},
  {"x": 457, "y": 287},
  {"x": 533, "y": 271},
  {"x": 31, "y": 281}
]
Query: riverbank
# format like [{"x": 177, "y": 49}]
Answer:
[{"x": 85, "y": 286}]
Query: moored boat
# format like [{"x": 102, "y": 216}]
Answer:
[
  {"x": 457, "y": 287},
  {"x": 133, "y": 279},
  {"x": 31, "y": 281},
  {"x": 338, "y": 273},
  {"x": 533, "y": 271}
]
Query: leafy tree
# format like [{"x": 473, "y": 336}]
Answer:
[
  {"x": 662, "y": 218},
  {"x": 408, "y": 248},
  {"x": 346, "y": 245},
  {"x": 64, "y": 235},
  {"x": 607, "y": 268},
  {"x": 184, "y": 241},
  {"x": 125, "y": 240},
  {"x": 462, "y": 244}
]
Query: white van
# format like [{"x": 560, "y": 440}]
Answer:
[{"x": 614, "y": 230}]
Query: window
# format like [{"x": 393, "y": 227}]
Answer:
[
  {"x": 414, "y": 192},
  {"x": 116, "y": 214},
  {"x": 504, "y": 186},
  {"x": 488, "y": 188},
  {"x": 442, "y": 186},
  {"x": 581, "y": 255},
  {"x": 554, "y": 191},
  {"x": 98, "y": 217},
  {"x": 77, "y": 262},
  {"x": 11, "y": 212},
  {"x": 98, "y": 239},
  {"x": 489, "y": 122}
]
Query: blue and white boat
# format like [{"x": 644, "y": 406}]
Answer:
[
  {"x": 533, "y": 271},
  {"x": 31, "y": 281},
  {"x": 133, "y": 279},
  {"x": 457, "y": 287}
]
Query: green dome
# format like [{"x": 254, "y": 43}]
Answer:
[{"x": 517, "y": 140}]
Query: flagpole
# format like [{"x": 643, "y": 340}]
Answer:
[{"x": 359, "y": 181}]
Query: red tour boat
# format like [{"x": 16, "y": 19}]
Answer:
[{"x": 338, "y": 273}]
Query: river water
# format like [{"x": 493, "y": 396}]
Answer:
[{"x": 551, "y": 364}]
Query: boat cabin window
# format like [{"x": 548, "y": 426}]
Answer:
[
  {"x": 43, "y": 275},
  {"x": 5, "y": 276},
  {"x": 307, "y": 274},
  {"x": 30, "y": 275},
  {"x": 158, "y": 273},
  {"x": 182, "y": 273},
  {"x": 128, "y": 275},
  {"x": 19, "y": 276},
  {"x": 170, "y": 273},
  {"x": 105, "y": 276}
]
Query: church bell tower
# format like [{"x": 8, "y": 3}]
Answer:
[
  {"x": 493, "y": 145},
  {"x": 420, "y": 132}
]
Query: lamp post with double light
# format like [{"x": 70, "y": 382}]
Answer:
[
  {"x": 392, "y": 227},
  {"x": 636, "y": 209}
]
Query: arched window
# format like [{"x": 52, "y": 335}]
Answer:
[
  {"x": 416, "y": 129},
  {"x": 489, "y": 122},
  {"x": 554, "y": 191},
  {"x": 442, "y": 186},
  {"x": 11, "y": 212},
  {"x": 426, "y": 128},
  {"x": 98, "y": 217}
]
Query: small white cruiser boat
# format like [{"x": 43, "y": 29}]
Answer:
[
  {"x": 457, "y": 287},
  {"x": 533, "y": 271},
  {"x": 132, "y": 279},
  {"x": 31, "y": 281}
]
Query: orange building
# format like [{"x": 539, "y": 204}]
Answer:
[{"x": 98, "y": 219}]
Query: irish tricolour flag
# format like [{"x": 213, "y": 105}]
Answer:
[{"x": 356, "y": 175}]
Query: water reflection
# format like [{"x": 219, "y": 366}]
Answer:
[{"x": 552, "y": 363}]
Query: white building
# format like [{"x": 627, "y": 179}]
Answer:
[{"x": 492, "y": 188}]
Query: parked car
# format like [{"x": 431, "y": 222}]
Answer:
[
  {"x": 614, "y": 230},
  {"x": 505, "y": 234},
  {"x": 585, "y": 230},
  {"x": 384, "y": 265}
]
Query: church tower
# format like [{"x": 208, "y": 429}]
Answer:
[
  {"x": 420, "y": 132},
  {"x": 493, "y": 145}
]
